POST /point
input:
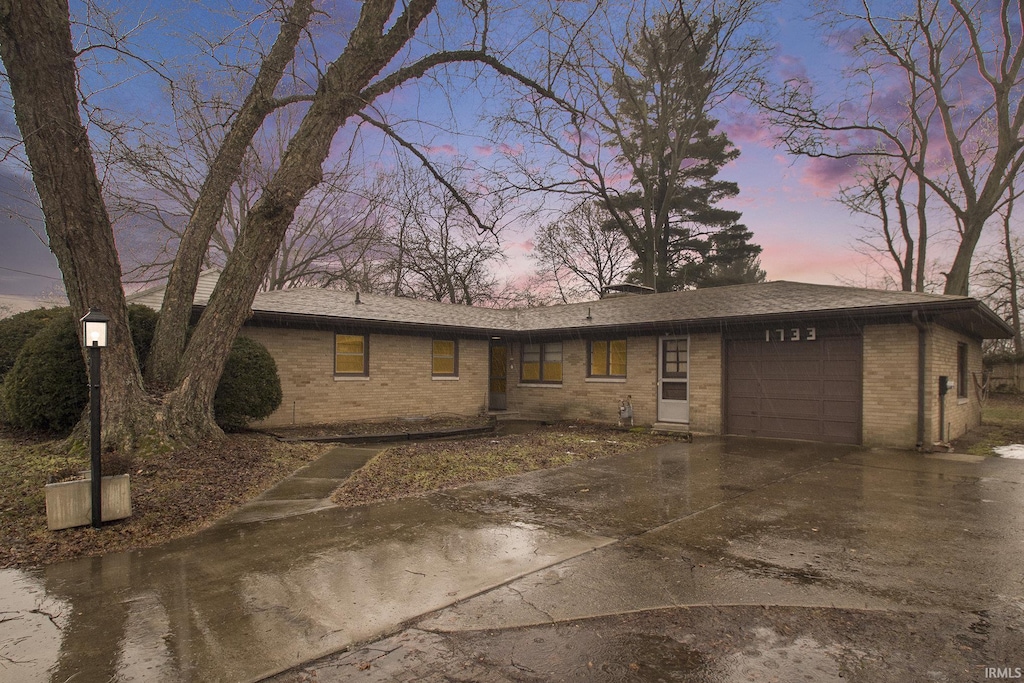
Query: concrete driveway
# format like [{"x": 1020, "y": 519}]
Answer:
[{"x": 721, "y": 560}]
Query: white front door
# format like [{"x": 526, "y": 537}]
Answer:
[{"x": 673, "y": 382}]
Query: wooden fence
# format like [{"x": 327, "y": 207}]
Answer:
[{"x": 1006, "y": 377}]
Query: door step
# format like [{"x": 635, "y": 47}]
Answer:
[{"x": 672, "y": 429}]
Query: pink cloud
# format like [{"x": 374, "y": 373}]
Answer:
[
  {"x": 826, "y": 175},
  {"x": 806, "y": 261},
  {"x": 483, "y": 150},
  {"x": 441, "y": 149},
  {"x": 745, "y": 127},
  {"x": 525, "y": 246},
  {"x": 791, "y": 67},
  {"x": 511, "y": 150}
]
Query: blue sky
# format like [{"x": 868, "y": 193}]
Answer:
[{"x": 788, "y": 203}]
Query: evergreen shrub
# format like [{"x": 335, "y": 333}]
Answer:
[
  {"x": 249, "y": 389},
  {"x": 18, "y": 329},
  {"x": 48, "y": 387}
]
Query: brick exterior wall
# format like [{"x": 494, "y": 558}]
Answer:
[
  {"x": 961, "y": 414},
  {"x": 889, "y": 388},
  {"x": 583, "y": 398},
  {"x": 706, "y": 383},
  {"x": 890, "y": 385},
  {"x": 399, "y": 383},
  {"x": 580, "y": 397}
]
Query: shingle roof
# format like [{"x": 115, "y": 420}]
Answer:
[
  {"x": 154, "y": 296},
  {"x": 342, "y": 306},
  {"x": 729, "y": 303},
  {"x": 738, "y": 303}
]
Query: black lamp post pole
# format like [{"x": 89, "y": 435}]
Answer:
[{"x": 94, "y": 436}]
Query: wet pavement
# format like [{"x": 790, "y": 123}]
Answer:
[{"x": 721, "y": 560}]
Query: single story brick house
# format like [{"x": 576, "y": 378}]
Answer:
[{"x": 778, "y": 359}]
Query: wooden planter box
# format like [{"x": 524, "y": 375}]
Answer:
[{"x": 69, "y": 503}]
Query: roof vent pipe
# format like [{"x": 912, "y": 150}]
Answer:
[
  {"x": 357, "y": 297},
  {"x": 589, "y": 317}
]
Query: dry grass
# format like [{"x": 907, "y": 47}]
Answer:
[
  {"x": 180, "y": 493},
  {"x": 172, "y": 496},
  {"x": 1002, "y": 423},
  {"x": 429, "y": 466}
]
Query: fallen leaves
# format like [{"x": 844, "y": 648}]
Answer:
[
  {"x": 171, "y": 496},
  {"x": 427, "y": 466}
]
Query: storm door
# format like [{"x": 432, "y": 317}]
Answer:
[
  {"x": 498, "y": 376},
  {"x": 673, "y": 380}
]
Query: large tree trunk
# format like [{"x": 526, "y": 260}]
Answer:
[
  {"x": 958, "y": 277},
  {"x": 35, "y": 45},
  {"x": 169, "y": 337},
  {"x": 337, "y": 98},
  {"x": 1013, "y": 279}
]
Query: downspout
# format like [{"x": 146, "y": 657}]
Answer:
[{"x": 922, "y": 330}]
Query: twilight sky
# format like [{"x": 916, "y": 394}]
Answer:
[{"x": 786, "y": 202}]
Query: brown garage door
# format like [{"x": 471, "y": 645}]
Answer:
[{"x": 795, "y": 389}]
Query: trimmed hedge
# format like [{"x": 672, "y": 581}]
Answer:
[
  {"x": 18, "y": 329},
  {"x": 48, "y": 386},
  {"x": 249, "y": 389}
]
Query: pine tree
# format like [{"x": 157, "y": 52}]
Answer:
[{"x": 667, "y": 141}]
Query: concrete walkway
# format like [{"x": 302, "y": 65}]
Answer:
[
  {"x": 483, "y": 576},
  {"x": 285, "y": 579},
  {"x": 307, "y": 490}
]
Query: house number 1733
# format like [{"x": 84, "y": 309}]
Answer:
[{"x": 791, "y": 334}]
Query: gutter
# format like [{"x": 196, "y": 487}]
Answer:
[{"x": 922, "y": 331}]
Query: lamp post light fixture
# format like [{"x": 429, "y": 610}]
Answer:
[{"x": 94, "y": 335}]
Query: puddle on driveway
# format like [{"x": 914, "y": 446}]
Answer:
[
  {"x": 244, "y": 602},
  {"x": 30, "y": 627}
]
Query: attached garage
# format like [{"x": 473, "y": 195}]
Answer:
[{"x": 795, "y": 383}]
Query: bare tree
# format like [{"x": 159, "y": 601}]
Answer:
[
  {"x": 953, "y": 70},
  {"x": 887, "y": 195},
  {"x": 37, "y": 51},
  {"x": 437, "y": 251},
  {"x": 579, "y": 255},
  {"x": 159, "y": 180},
  {"x": 999, "y": 275}
]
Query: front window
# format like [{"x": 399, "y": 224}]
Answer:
[
  {"x": 444, "y": 358},
  {"x": 350, "y": 354},
  {"x": 542, "y": 362},
  {"x": 607, "y": 358}
]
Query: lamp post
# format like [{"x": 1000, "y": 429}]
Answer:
[{"x": 94, "y": 335}]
